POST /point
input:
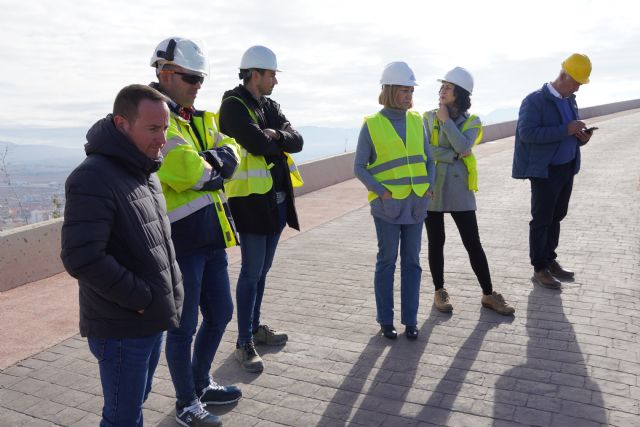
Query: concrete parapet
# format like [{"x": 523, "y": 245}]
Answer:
[
  {"x": 322, "y": 173},
  {"x": 614, "y": 107},
  {"x": 29, "y": 253}
]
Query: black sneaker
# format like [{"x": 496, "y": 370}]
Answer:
[
  {"x": 216, "y": 394},
  {"x": 195, "y": 415}
]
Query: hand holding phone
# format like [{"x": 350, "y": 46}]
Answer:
[{"x": 590, "y": 130}]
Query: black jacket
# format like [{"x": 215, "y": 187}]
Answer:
[
  {"x": 258, "y": 213},
  {"x": 116, "y": 240}
]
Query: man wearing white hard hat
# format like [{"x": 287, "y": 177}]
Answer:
[
  {"x": 393, "y": 161},
  {"x": 197, "y": 160},
  {"x": 549, "y": 135},
  {"x": 260, "y": 192}
]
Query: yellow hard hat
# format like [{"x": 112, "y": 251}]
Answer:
[{"x": 578, "y": 66}]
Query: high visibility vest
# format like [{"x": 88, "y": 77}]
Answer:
[
  {"x": 253, "y": 174},
  {"x": 401, "y": 168},
  {"x": 470, "y": 160},
  {"x": 183, "y": 171}
]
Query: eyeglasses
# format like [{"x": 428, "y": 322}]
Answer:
[{"x": 192, "y": 79}]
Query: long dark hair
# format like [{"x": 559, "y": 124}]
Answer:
[{"x": 463, "y": 100}]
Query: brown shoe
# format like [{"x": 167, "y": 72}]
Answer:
[
  {"x": 560, "y": 273},
  {"x": 496, "y": 302},
  {"x": 442, "y": 301},
  {"x": 545, "y": 279}
]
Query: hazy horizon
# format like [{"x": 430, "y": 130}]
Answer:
[{"x": 62, "y": 71}]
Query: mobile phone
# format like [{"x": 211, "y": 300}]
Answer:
[{"x": 591, "y": 129}]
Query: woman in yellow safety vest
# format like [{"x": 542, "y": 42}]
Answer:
[
  {"x": 394, "y": 163},
  {"x": 453, "y": 132}
]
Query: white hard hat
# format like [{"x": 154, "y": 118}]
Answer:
[
  {"x": 459, "y": 77},
  {"x": 260, "y": 57},
  {"x": 399, "y": 74},
  {"x": 186, "y": 53}
]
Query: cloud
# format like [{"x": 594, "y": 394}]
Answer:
[{"x": 67, "y": 64}]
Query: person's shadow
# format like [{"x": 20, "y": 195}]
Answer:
[
  {"x": 370, "y": 377},
  {"x": 383, "y": 392},
  {"x": 553, "y": 386}
]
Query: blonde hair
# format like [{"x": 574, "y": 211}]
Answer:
[{"x": 387, "y": 96}]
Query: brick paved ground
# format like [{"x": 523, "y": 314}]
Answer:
[{"x": 566, "y": 358}]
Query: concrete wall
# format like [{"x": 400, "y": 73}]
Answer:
[
  {"x": 32, "y": 253},
  {"x": 29, "y": 253},
  {"x": 322, "y": 173}
]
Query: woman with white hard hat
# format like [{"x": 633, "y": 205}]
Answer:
[
  {"x": 394, "y": 162},
  {"x": 453, "y": 132}
]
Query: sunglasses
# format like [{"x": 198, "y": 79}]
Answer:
[{"x": 191, "y": 79}]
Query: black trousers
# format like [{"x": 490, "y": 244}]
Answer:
[
  {"x": 468, "y": 229},
  {"x": 549, "y": 205}
]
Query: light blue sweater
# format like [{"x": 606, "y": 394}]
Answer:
[{"x": 411, "y": 210}]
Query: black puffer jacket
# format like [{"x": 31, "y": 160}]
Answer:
[
  {"x": 116, "y": 240},
  {"x": 258, "y": 213}
]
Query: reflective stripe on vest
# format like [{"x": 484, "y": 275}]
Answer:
[
  {"x": 252, "y": 175},
  {"x": 400, "y": 167},
  {"x": 181, "y": 204},
  {"x": 470, "y": 160}
]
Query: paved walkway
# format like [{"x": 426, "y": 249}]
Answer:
[{"x": 566, "y": 358}]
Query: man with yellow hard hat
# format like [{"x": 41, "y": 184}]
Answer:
[{"x": 549, "y": 135}]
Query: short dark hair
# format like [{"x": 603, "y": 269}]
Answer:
[
  {"x": 245, "y": 74},
  {"x": 129, "y": 97},
  {"x": 463, "y": 101}
]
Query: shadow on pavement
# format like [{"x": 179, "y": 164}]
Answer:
[
  {"x": 553, "y": 387},
  {"x": 392, "y": 390}
]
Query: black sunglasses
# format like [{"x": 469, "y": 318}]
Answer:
[{"x": 192, "y": 79}]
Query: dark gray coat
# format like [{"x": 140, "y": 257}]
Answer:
[{"x": 116, "y": 240}]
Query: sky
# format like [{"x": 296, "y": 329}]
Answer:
[{"x": 64, "y": 61}]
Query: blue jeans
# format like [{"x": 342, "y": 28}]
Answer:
[
  {"x": 409, "y": 238},
  {"x": 126, "y": 371},
  {"x": 257, "y": 251},
  {"x": 206, "y": 284}
]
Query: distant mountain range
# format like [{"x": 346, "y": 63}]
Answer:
[
  {"x": 58, "y": 150},
  {"x": 32, "y": 159}
]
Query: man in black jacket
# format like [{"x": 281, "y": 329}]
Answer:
[
  {"x": 116, "y": 240},
  {"x": 260, "y": 193}
]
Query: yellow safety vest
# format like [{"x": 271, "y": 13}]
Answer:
[
  {"x": 253, "y": 174},
  {"x": 470, "y": 160},
  {"x": 399, "y": 167},
  {"x": 183, "y": 173}
]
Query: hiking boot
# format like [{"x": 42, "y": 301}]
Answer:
[
  {"x": 195, "y": 415},
  {"x": 216, "y": 394},
  {"x": 560, "y": 273},
  {"x": 545, "y": 279},
  {"x": 496, "y": 302},
  {"x": 442, "y": 301},
  {"x": 248, "y": 357},
  {"x": 267, "y": 336}
]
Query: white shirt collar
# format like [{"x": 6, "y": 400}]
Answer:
[{"x": 553, "y": 91}]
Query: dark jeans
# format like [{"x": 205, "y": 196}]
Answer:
[
  {"x": 126, "y": 371},
  {"x": 549, "y": 204},
  {"x": 206, "y": 285},
  {"x": 468, "y": 229},
  {"x": 258, "y": 251}
]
